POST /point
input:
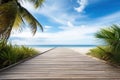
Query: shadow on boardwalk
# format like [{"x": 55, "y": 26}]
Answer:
[{"x": 62, "y": 64}]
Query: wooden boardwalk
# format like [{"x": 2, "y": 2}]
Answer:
[{"x": 61, "y": 64}]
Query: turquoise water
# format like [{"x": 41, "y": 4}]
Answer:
[{"x": 46, "y": 46}]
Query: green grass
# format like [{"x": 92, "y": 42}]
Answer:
[
  {"x": 10, "y": 54},
  {"x": 101, "y": 52},
  {"x": 105, "y": 53}
]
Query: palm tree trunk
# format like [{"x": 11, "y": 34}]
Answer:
[
  {"x": 7, "y": 18},
  {"x": 0, "y": 2},
  {"x": 4, "y": 1}
]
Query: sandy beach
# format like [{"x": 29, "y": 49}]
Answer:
[
  {"x": 42, "y": 49},
  {"x": 81, "y": 50}
]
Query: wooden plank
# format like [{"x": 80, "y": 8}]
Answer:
[{"x": 62, "y": 64}]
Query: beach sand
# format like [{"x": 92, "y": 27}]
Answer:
[
  {"x": 42, "y": 49},
  {"x": 81, "y": 50}
]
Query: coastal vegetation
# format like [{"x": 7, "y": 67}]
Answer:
[
  {"x": 110, "y": 38},
  {"x": 10, "y": 54},
  {"x": 14, "y": 16}
]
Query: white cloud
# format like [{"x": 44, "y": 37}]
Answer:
[
  {"x": 47, "y": 28},
  {"x": 70, "y": 33},
  {"x": 55, "y": 11},
  {"x": 75, "y": 35},
  {"x": 109, "y": 19},
  {"x": 82, "y": 5},
  {"x": 70, "y": 24}
]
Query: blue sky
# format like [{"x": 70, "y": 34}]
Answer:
[{"x": 71, "y": 22}]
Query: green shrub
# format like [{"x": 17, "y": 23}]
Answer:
[
  {"x": 111, "y": 37},
  {"x": 102, "y": 52},
  {"x": 10, "y": 54}
]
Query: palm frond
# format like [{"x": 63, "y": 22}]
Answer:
[
  {"x": 13, "y": 15},
  {"x": 33, "y": 23},
  {"x": 7, "y": 17},
  {"x": 111, "y": 36},
  {"x": 105, "y": 34},
  {"x": 36, "y": 3},
  {"x": 19, "y": 22}
]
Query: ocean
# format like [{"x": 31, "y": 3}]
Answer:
[{"x": 51, "y": 46}]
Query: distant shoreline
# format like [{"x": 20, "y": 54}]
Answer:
[
  {"x": 61, "y": 46},
  {"x": 81, "y": 50}
]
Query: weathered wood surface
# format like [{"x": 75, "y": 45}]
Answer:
[{"x": 62, "y": 64}]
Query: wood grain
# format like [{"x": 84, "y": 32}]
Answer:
[{"x": 62, "y": 64}]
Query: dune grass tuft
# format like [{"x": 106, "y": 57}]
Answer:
[
  {"x": 10, "y": 54},
  {"x": 111, "y": 38}
]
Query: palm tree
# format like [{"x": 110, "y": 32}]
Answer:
[
  {"x": 111, "y": 36},
  {"x": 13, "y": 14}
]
